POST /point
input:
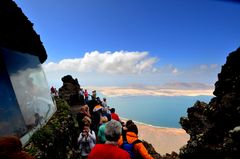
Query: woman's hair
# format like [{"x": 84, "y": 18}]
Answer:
[
  {"x": 113, "y": 130},
  {"x": 84, "y": 108},
  {"x": 104, "y": 119},
  {"x": 131, "y": 127},
  {"x": 129, "y": 122},
  {"x": 86, "y": 120},
  {"x": 11, "y": 148}
]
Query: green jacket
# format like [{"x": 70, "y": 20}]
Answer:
[{"x": 101, "y": 133}]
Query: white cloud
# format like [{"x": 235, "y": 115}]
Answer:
[
  {"x": 213, "y": 66},
  {"x": 175, "y": 71},
  {"x": 119, "y": 62},
  {"x": 124, "y": 68},
  {"x": 167, "y": 69},
  {"x": 207, "y": 67},
  {"x": 203, "y": 67}
]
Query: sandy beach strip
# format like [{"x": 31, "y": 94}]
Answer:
[{"x": 164, "y": 140}]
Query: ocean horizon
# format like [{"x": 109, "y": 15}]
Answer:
[{"x": 156, "y": 111}]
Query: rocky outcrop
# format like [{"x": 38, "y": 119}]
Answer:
[
  {"x": 151, "y": 150},
  {"x": 17, "y": 33},
  {"x": 156, "y": 155},
  {"x": 214, "y": 128},
  {"x": 70, "y": 91}
]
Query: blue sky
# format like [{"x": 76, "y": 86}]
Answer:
[{"x": 160, "y": 43}]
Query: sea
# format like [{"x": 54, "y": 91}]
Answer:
[{"x": 159, "y": 111}]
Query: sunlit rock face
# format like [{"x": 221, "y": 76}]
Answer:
[{"x": 214, "y": 127}]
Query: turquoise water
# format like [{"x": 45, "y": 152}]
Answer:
[{"x": 163, "y": 111}]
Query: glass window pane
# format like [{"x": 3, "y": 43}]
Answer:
[
  {"x": 11, "y": 120},
  {"x": 30, "y": 87}
]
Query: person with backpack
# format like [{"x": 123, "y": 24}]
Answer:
[
  {"x": 86, "y": 140},
  {"x": 130, "y": 142}
]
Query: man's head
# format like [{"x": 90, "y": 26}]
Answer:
[{"x": 113, "y": 130}]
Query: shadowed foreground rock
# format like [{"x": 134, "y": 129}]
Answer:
[
  {"x": 214, "y": 128},
  {"x": 151, "y": 150},
  {"x": 156, "y": 155}
]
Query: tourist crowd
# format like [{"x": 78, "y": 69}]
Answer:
[{"x": 103, "y": 135}]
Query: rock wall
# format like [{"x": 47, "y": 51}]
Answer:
[{"x": 214, "y": 128}]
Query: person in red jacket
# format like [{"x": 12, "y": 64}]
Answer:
[
  {"x": 114, "y": 116},
  {"x": 110, "y": 148}
]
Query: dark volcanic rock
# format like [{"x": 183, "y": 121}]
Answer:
[
  {"x": 70, "y": 91},
  {"x": 16, "y": 31},
  {"x": 214, "y": 128},
  {"x": 156, "y": 155},
  {"x": 173, "y": 155},
  {"x": 151, "y": 150}
]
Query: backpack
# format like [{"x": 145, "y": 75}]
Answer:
[{"x": 129, "y": 147}]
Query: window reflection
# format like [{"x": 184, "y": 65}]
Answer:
[
  {"x": 11, "y": 120},
  {"x": 27, "y": 80}
]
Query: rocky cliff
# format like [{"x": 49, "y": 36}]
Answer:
[
  {"x": 70, "y": 91},
  {"x": 214, "y": 128}
]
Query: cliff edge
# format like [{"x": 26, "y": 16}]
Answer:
[{"x": 214, "y": 128}]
